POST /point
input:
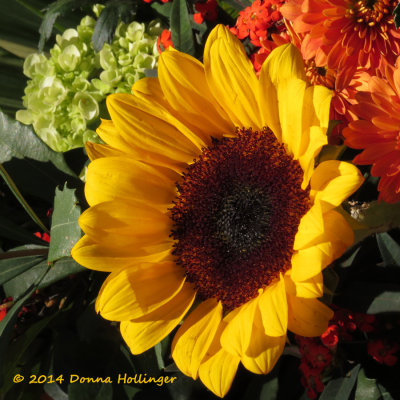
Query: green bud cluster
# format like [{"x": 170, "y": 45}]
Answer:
[{"x": 66, "y": 91}]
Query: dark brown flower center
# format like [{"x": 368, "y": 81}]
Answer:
[{"x": 236, "y": 216}]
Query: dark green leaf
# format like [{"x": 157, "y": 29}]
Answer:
[
  {"x": 105, "y": 28},
  {"x": 10, "y": 230},
  {"x": 342, "y": 387},
  {"x": 55, "y": 392},
  {"x": 367, "y": 388},
  {"x": 60, "y": 270},
  {"x": 18, "y": 347},
  {"x": 181, "y": 29},
  {"x": 396, "y": 13},
  {"x": 20, "y": 24},
  {"x": 55, "y": 9},
  {"x": 389, "y": 248},
  {"x": 108, "y": 21},
  {"x": 21, "y": 283},
  {"x": 378, "y": 215},
  {"x": 12, "y": 267},
  {"x": 7, "y": 324},
  {"x": 65, "y": 231},
  {"x": 237, "y": 5},
  {"x": 90, "y": 391},
  {"x": 269, "y": 390},
  {"x": 331, "y": 280},
  {"x": 371, "y": 297},
  {"x": 163, "y": 9},
  {"x": 19, "y": 141}
]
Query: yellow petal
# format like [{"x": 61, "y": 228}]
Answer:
[
  {"x": 318, "y": 139},
  {"x": 311, "y": 288},
  {"x": 231, "y": 76},
  {"x": 139, "y": 290},
  {"x": 132, "y": 222},
  {"x": 308, "y": 317},
  {"x": 309, "y": 262},
  {"x": 218, "y": 371},
  {"x": 273, "y": 308},
  {"x": 291, "y": 107},
  {"x": 316, "y": 228},
  {"x": 144, "y": 333},
  {"x": 263, "y": 353},
  {"x": 311, "y": 228},
  {"x": 183, "y": 82},
  {"x": 112, "y": 257},
  {"x": 236, "y": 336},
  {"x": 121, "y": 177},
  {"x": 315, "y": 120},
  {"x": 334, "y": 181},
  {"x": 97, "y": 150},
  {"x": 110, "y": 135},
  {"x": 194, "y": 337},
  {"x": 284, "y": 63},
  {"x": 152, "y": 129}
]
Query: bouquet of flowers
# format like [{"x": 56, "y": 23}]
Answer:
[{"x": 200, "y": 200}]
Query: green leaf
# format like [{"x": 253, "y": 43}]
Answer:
[
  {"x": 163, "y": 9},
  {"x": 19, "y": 141},
  {"x": 181, "y": 29},
  {"x": 8, "y": 322},
  {"x": 10, "y": 230},
  {"x": 65, "y": 231},
  {"x": 90, "y": 391},
  {"x": 60, "y": 270},
  {"x": 269, "y": 390},
  {"x": 367, "y": 388},
  {"x": 342, "y": 387},
  {"x": 389, "y": 248},
  {"x": 10, "y": 183},
  {"x": 108, "y": 21},
  {"x": 55, "y": 9},
  {"x": 331, "y": 280},
  {"x": 396, "y": 13},
  {"x": 12, "y": 267},
  {"x": 15, "y": 287},
  {"x": 54, "y": 391},
  {"x": 238, "y": 5},
  {"x": 18, "y": 347},
  {"x": 372, "y": 297},
  {"x": 378, "y": 215}
]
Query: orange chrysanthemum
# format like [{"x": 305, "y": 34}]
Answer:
[
  {"x": 377, "y": 132},
  {"x": 344, "y": 34}
]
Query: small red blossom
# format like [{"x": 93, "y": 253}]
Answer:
[
  {"x": 344, "y": 319},
  {"x": 311, "y": 380},
  {"x": 259, "y": 19},
  {"x": 44, "y": 236},
  {"x": 364, "y": 322},
  {"x": 207, "y": 10},
  {"x": 330, "y": 337},
  {"x": 164, "y": 40},
  {"x": 319, "y": 356},
  {"x": 382, "y": 351},
  {"x": 5, "y": 306}
]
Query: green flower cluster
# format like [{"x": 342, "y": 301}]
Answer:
[{"x": 64, "y": 97}]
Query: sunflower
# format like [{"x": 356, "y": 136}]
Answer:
[
  {"x": 345, "y": 34},
  {"x": 377, "y": 131},
  {"x": 205, "y": 198}
]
